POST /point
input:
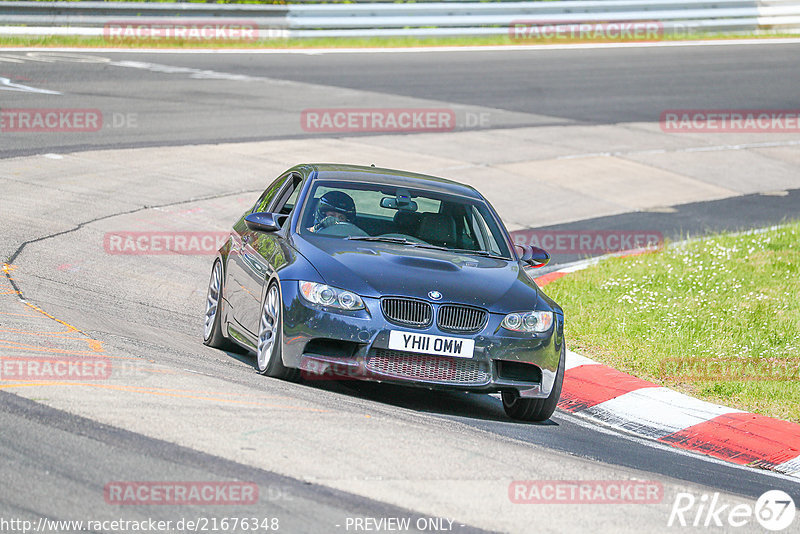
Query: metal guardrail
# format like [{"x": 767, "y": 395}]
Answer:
[
  {"x": 404, "y": 19},
  {"x": 98, "y": 14},
  {"x": 495, "y": 18}
]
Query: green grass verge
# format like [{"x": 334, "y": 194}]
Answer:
[
  {"x": 717, "y": 318},
  {"x": 205, "y": 1},
  {"x": 330, "y": 42}
]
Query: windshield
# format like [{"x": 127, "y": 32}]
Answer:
[{"x": 409, "y": 217}]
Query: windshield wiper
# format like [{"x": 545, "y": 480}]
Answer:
[
  {"x": 484, "y": 253},
  {"x": 399, "y": 240},
  {"x": 404, "y": 241}
]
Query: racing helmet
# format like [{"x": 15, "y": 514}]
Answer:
[{"x": 335, "y": 201}]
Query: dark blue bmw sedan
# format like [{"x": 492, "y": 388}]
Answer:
[{"x": 391, "y": 276}]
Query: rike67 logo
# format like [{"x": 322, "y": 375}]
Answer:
[{"x": 774, "y": 511}]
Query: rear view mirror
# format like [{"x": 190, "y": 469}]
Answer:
[
  {"x": 533, "y": 256},
  {"x": 398, "y": 204},
  {"x": 262, "y": 222}
]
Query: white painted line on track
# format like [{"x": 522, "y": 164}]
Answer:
[
  {"x": 576, "y": 360},
  {"x": 7, "y": 85},
  {"x": 588, "y": 422},
  {"x": 656, "y": 412},
  {"x": 790, "y": 468},
  {"x": 418, "y": 49}
]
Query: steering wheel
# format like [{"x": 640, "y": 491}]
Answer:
[{"x": 343, "y": 229}]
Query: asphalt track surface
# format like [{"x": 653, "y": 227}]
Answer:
[
  {"x": 31, "y": 429},
  {"x": 695, "y": 219},
  {"x": 537, "y": 88},
  {"x": 533, "y": 87}
]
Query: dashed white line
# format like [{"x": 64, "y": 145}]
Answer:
[{"x": 7, "y": 85}]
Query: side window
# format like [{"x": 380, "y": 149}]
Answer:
[
  {"x": 269, "y": 195},
  {"x": 288, "y": 198},
  {"x": 474, "y": 229},
  {"x": 466, "y": 233},
  {"x": 288, "y": 206},
  {"x": 485, "y": 237}
]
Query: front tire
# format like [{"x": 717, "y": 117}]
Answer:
[
  {"x": 536, "y": 409},
  {"x": 212, "y": 327},
  {"x": 269, "y": 360}
]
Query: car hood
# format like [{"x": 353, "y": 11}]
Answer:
[{"x": 374, "y": 269}]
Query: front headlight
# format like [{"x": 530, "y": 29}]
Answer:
[
  {"x": 532, "y": 321},
  {"x": 330, "y": 296}
]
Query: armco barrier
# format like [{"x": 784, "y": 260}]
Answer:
[
  {"x": 363, "y": 19},
  {"x": 93, "y": 18}
]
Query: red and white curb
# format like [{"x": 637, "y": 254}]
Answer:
[{"x": 621, "y": 401}]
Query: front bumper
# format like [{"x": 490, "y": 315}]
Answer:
[{"x": 354, "y": 344}]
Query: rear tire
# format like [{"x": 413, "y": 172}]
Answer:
[
  {"x": 536, "y": 409},
  {"x": 269, "y": 351},
  {"x": 212, "y": 329}
]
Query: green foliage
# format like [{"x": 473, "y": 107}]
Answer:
[
  {"x": 717, "y": 317},
  {"x": 312, "y": 42}
]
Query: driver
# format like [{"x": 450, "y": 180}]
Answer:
[{"x": 334, "y": 207}]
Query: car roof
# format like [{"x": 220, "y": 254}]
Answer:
[{"x": 378, "y": 175}]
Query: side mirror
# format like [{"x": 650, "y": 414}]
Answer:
[
  {"x": 262, "y": 222},
  {"x": 533, "y": 256}
]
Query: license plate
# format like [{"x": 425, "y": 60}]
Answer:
[{"x": 458, "y": 347}]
